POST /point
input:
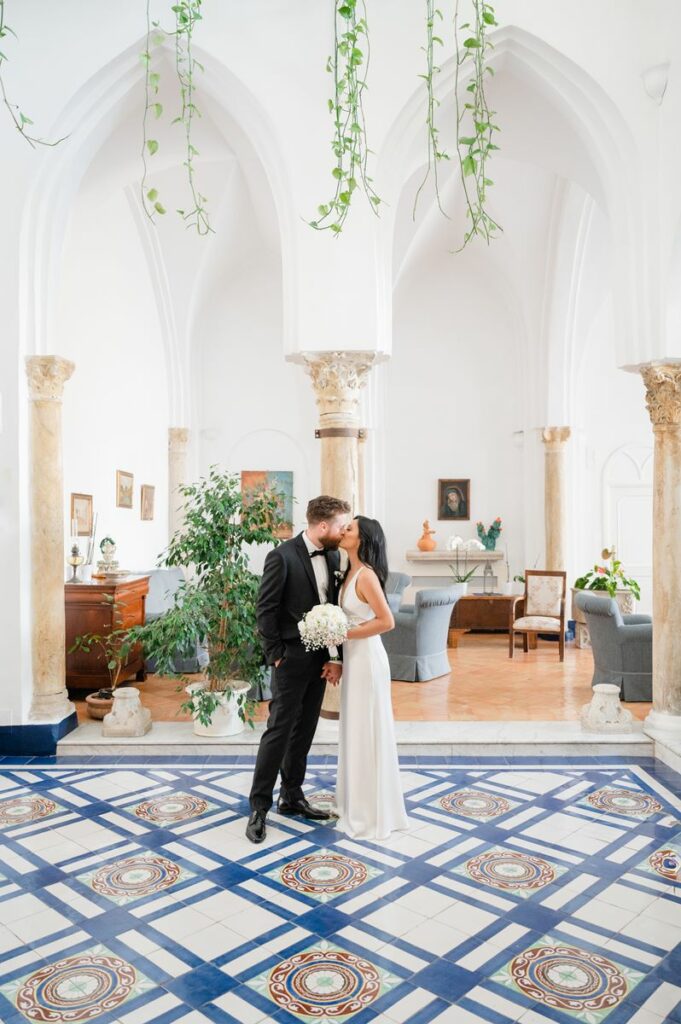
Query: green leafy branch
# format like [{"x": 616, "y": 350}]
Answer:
[
  {"x": 152, "y": 79},
  {"x": 435, "y": 153},
  {"x": 22, "y": 122},
  {"x": 349, "y": 143},
  {"x": 475, "y": 125}
]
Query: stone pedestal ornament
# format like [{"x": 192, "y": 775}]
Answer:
[
  {"x": 663, "y": 397},
  {"x": 555, "y": 498},
  {"x": 127, "y": 717},
  {"x": 605, "y": 713},
  {"x": 338, "y": 379},
  {"x": 46, "y": 378},
  {"x": 178, "y": 442}
]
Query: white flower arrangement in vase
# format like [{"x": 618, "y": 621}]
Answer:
[{"x": 461, "y": 550}]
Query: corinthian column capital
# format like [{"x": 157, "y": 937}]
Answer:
[
  {"x": 338, "y": 378},
  {"x": 663, "y": 393},
  {"x": 555, "y": 437},
  {"x": 178, "y": 439},
  {"x": 47, "y": 376}
]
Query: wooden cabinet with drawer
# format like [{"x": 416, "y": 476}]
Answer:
[{"x": 480, "y": 611}]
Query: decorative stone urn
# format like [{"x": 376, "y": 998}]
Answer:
[
  {"x": 605, "y": 713},
  {"x": 127, "y": 717},
  {"x": 626, "y": 603}
]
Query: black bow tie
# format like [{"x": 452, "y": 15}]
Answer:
[{"x": 313, "y": 554}]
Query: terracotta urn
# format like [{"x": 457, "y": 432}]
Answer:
[
  {"x": 426, "y": 543},
  {"x": 97, "y": 706}
]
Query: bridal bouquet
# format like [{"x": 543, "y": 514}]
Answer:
[{"x": 325, "y": 625}]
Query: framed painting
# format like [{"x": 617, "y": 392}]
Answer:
[
  {"x": 124, "y": 485},
  {"x": 81, "y": 515},
  {"x": 147, "y": 494},
  {"x": 454, "y": 499},
  {"x": 280, "y": 481}
]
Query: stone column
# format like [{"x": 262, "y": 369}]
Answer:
[
  {"x": 663, "y": 398},
  {"x": 338, "y": 378},
  {"x": 178, "y": 441},
  {"x": 46, "y": 378},
  {"x": 555, "y": 495},
  {"x": 362, "y": 473}
]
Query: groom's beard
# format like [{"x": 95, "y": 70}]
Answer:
[{"x": 330, "y": 545}]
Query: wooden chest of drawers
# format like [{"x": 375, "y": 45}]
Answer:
[
  {"x": 89, "y": 609},
  {"x": 480, "y": 611}
]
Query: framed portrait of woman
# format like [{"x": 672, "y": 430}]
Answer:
[{"x": 453, "y": 499}]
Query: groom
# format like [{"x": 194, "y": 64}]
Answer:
[{"x": 299, "y": 574}]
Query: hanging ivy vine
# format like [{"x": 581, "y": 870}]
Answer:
[
  {"x": 187, "y": 14},
  {"x": 435, "y": 153},
  {"x": 474, "y": 119},
  {"x": 349, "y": 65},
  {"x": 22, "y": 122}
]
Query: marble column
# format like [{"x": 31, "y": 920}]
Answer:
[
  {"x": 338, "y": 379},
  {"x": 555, "y": 495},
  {"x": 362, "y": 473},
  {"x": 178, "y": 442},
  {"x": 46, "y": 378},
  {"x": 663, "y": 398}
]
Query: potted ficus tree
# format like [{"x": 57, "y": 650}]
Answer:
[{"x": 216, "y": 605}]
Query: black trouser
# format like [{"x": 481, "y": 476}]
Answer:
[{"x": 297, "y": 695}]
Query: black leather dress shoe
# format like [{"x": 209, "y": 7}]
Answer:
[
  {"x": 303, "y": 808},
  {"x": 255, "y": 830}
]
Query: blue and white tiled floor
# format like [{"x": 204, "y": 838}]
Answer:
[{"x": 525, "y": 891}]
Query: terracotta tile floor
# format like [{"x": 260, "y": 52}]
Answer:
[{"x": 484, "y": 685}]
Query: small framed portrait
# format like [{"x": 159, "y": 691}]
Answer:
[
  {"x": 81, "y": 514},
  {"x": 147, "y": 502},
  {"x": 454, "y": 499},
  {"x": 124, "y": 485}
]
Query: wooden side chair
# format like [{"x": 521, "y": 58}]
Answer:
[{"x": 540, "y": 610}]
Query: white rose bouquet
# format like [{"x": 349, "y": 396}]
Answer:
[{"x": 325, "y": 625}]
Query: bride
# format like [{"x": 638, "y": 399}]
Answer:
[{"x": 368, "y": 792}]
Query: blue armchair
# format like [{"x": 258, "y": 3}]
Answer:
[
  {"x": 622, "y": 646},
  {"x": 395, "y": 586},
  {"x": 417, "y": 646}
]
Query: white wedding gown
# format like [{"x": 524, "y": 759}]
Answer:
[{"x": 369, "y": 796}]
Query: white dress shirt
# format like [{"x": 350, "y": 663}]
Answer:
[{"x": 321, "y": 575}]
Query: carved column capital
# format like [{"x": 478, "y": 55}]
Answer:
[
  {"x": 178, "y": 439},
  {"x": 47, "y": 376},
  {"x": 338, "y": 378},
  {"x": 663, "y": 393},
  {"x": 555, "y": 437}
]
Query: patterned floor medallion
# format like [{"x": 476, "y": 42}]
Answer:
[
  {"x": 519, "y": 874},
  {"x": 324, "y": 875},
  {"x": 475, "y": 803},
  {"x": 171, "y": 808},
  {"x": 575, "y": 981},
  {"x": 23, "y": 809},
  {"x": 134, "y": 877},
  {"x": 324, "y": 983},
  {"x": 634, "y": 803},
  {"x": 77, "y": 988},
  {"x": 665, "y": 862},
  {"x": 326, "y": 801}
]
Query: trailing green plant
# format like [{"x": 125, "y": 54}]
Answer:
[
  {"x": 187, "y": 13},
  {"x": 349, "y": 65},
  {"x": 435, "y": 153},
  {"x": 216, "y": 606},
  {"x": 22, "y": 122},
  {"x": 113, "y": 647},
  {"x": 474, "y": 119},
  {"x": 610, "y": 578}
]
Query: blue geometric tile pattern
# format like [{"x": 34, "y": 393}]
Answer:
[{"x": 531, "y": 889}]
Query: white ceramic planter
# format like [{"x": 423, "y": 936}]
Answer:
[{"x": 225, "y": 720}]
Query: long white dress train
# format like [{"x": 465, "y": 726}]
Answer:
[{"x": 369, "y": 796}]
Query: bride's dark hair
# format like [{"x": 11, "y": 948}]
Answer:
[{"x": 373, "y": 547}]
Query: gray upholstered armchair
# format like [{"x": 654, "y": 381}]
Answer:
[
  {"x": 395, "y": 586},
  {"x": 622, "y": 646},
  {"x": 417, "y": 646}
]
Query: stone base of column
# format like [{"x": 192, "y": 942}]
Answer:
[
  {"x": 50, "y": 707},
  {"x": 662, "y": 725}
]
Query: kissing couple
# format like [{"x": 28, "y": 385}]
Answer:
[{"x": 298, "y": 575}]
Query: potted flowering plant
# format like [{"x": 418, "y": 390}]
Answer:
[
  {"x": 489, "y": 537},
  {"x": 461, "y": 549},
  {"x": 607, "y": 581}
]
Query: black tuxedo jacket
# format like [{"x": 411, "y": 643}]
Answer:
[{"x": 288, "y": 589}]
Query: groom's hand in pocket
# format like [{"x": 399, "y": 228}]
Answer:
[{"x": 332, "y": 672}]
